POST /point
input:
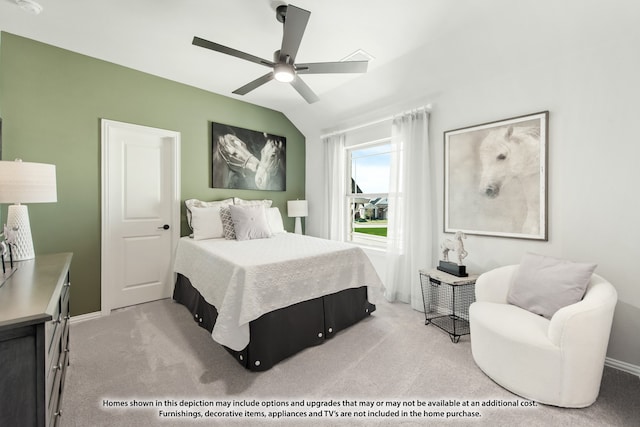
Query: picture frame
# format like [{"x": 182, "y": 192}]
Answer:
[
  {"x": 247, "y": 159},
  {"x": 495, "y": 178}
]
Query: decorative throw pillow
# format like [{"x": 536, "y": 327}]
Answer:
[
  {"x": 206, "y": 223},
  {"x": 274, "y": 218},
  {"x": 243, "y": 202},
  {"x": 544, "y": 284},
  {"x": 227, "y": 223},
  {"x": 190, "y": 203},
  {"x": 250, "y": 222}
]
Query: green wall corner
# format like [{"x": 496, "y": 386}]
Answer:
[{"x": 51, "y": 103}]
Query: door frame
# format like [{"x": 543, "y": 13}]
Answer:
[{"x": 173, "y": 138}]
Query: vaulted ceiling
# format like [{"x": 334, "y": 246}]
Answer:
[{"x": 154, "y": 36}]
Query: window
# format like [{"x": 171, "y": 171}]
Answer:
[{"x": 369, "y": 172}]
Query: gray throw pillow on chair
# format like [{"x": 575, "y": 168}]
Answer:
[{"x": 544, "y": 284}]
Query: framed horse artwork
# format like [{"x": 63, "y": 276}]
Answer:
[
  {"x": 247, "y": 159},
  {"x": 495, "y": 178}
]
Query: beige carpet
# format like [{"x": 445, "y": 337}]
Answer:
[{"x": 155, "y": 354}]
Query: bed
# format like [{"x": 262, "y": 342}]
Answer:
[{"x": 266, "y": 299}]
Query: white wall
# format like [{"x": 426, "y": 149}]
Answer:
[{"x": 583, "y": 68}]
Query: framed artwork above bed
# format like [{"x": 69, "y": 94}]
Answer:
[
  {"x": 495, "y": 181},
  {"x": 247, "y": 159}
]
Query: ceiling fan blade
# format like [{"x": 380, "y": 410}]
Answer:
[
  {"x": 304, "y": 90},
  {"x": 332, "y": 67},
  {"x": 254, "y": 84},
  {"x": 295, "y": 23},
  {"x": 230, "y": 51}
]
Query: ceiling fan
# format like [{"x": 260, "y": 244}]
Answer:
[{"x": 283, "y": 66}]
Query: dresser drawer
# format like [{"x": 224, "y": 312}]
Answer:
[
  {"x": 64, "y": 295},
  {"x": 57, "y": 327},
  {"x": 54, "y": 394},
  {"x": 52, "y": 336},
  {"x": 64, "y": 311},
  {"x": 56, "y": 413},
  {"x": 53, "y": 374}
]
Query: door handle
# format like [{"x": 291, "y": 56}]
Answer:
[{"x": 164, "y": 227}]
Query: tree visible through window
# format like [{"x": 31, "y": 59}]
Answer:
[{"x": 367, "y": 200}]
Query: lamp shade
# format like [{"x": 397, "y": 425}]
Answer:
[
  {"x": 26, "y": 182},
  {"x": 297, "y": 208}
]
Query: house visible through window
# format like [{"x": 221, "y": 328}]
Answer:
[{"x": 369, "y": 169}]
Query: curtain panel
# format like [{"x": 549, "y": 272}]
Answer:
[
  {"x": 335, "y": 190},
  {"x": 410, "y": 228}
]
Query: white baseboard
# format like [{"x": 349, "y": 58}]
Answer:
[
  {"x": 85, "y": 317},
  {"x": 622, "y": 366}
]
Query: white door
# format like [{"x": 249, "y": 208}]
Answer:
[{"x": 140, "y": 213}]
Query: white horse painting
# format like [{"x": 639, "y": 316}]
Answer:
[
  {"x": 247, "y": 159},
  {"x": 268, "y": 173},
  {"x": 510, "y": 155}
]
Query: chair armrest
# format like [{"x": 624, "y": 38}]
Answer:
[
  {"x": 591, "y": 317},
  {"x": 493, "y": 286}
]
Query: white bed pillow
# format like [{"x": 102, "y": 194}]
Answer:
[
  {"x": 544, "y": 284},
  {"x": 250, "y": 222},
  {"x": 274, "y": 218},
  {"x": 243, "y": 202},
  {"x": 191, "y": 203},
  {"x": 206, "y": 223}
]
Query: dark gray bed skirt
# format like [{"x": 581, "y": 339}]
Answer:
[{"x": 281, "y": 333}]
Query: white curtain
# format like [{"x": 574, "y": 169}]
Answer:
[
  {"x": 409, "y": 233},
  {"x": 335, "y": 190}
]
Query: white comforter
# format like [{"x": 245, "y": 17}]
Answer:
[{"x": 246, "y": 279}]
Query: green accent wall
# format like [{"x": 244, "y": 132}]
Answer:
[{"x": 51, "y": 103}]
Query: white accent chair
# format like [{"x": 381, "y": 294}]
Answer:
[{"x": 556, "y": 362}]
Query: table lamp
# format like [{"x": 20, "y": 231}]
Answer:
[
  {"x": 297, "y": 209},
  {"x": 25, "y": 182}
]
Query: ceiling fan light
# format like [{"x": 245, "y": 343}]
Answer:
[{"x": 283, "y": 73}]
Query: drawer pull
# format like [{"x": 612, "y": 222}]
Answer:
[
  {"x": 67, "y": 317},
  {"x": 66, "y": 285},
  {"x": 58, "y": 366},
  {"x": 58, "y": 413}
]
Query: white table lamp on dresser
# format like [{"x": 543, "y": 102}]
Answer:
[
  {"x": 297, "y": 209},
  {"x": 25, "y": 182}
]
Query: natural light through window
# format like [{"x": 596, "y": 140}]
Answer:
[{"x": 369, "y": 167}]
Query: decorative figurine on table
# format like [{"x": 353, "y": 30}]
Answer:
[
  {"x": 8, "y": 239},
  {"x": 456, "y": 244}
]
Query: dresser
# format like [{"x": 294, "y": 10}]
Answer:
[{"x": 34, "y": 341}]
